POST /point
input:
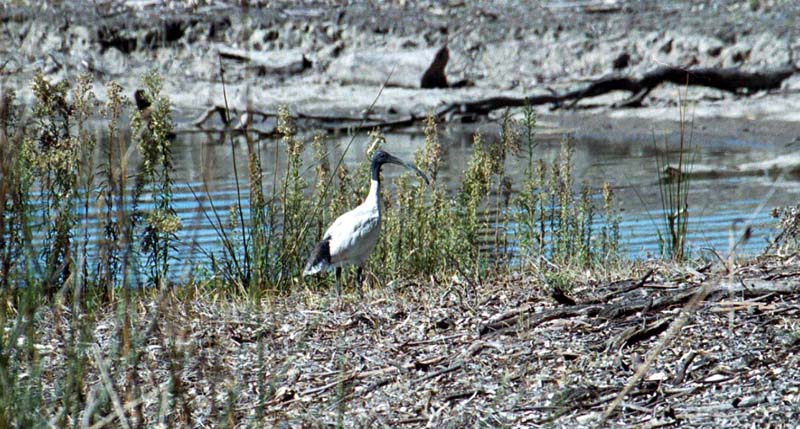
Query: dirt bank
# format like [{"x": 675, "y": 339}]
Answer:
[{"x": 321, "y": 59}]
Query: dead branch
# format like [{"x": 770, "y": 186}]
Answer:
[
  {"x": 528, "y": 318},
  {"x": 731, "y": 80},
  {"x": 268, "y": 62},
  {"x": 686, "y": 360},
  {"x": 636, "y": 334}
]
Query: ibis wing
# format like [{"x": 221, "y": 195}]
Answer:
[
  {"x": 320, "y": 258},
  {"x": 353, "y": 236}
]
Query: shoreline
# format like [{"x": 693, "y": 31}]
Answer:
[{"x": 346, "y": 54}]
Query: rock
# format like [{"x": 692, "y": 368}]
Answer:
[
  {"x": 734, "y": 56},
  {"x": 259, "y": 39},
  {"x": 79, "y": 39},
  {"x": 710, "y": 46},
  {"x": 113, "y": 61},
  {"x": 374, "y": 67},
  {"x": 768, "y": 51},
  {"x": 666, "y": 47},
  {"x": 622, "y": 61},
  {"x": 39, "y": 39}
]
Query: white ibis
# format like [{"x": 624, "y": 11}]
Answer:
[{"x": 353, "y": 235}]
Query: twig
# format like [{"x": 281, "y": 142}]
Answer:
[
  {"x": 454, "y": 367},
  {"x": 676, "y": 326},
  {"x": 686, "y": 361},
  {"x": 118, "y": 410}
]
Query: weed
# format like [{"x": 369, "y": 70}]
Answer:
[
  {"x": 114, "y": 172},
  {"x": 153, "y": 127}
]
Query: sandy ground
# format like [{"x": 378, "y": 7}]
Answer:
[{"x": 322, "y": 59}]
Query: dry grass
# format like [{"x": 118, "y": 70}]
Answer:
[{"x": 413, "y": 355}]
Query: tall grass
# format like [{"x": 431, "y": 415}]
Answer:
[
  {"x": 428, "y": 230},
  {"x": 152, "y": 128},
  {"x": 674, "y": 188}
]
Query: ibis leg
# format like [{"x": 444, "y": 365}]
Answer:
[
  {"x": 360, "y": 276},
  {"x": 338, "y": 281}
]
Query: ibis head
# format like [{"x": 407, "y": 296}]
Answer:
[
  {"x": 141, "y": 100},
  {"x": 382, "y": 157}
]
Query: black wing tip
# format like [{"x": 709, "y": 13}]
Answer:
[{"x": 321, "y": 254}]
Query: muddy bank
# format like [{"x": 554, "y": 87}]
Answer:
[{"x": 320, "y": 60}]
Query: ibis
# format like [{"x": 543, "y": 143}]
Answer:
[
  {"x": 352, "y": 236},
  {"x": 145, "y": 108}
]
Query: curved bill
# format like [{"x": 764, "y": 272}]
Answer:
[{"x": 395, "y": 160}]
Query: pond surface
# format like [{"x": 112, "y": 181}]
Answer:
[{"x": 717, "y": 205}]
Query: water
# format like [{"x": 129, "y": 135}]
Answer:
[{"x": 716, "y": 205}]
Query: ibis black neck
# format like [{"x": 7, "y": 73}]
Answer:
[{"x": 376, "y": 171}]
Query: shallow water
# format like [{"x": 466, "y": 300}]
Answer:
[{"x": 204, "y": 161}]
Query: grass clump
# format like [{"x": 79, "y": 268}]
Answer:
[
  {"x": 674, "y": 187},
  {"x": 481, "y": 229},
  {"x": 557, "y": 222}
]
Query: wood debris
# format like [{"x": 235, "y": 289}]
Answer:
[{"x": 302, "y": 361}]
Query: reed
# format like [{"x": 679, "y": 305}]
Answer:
[{"x": 674, "y": 187}]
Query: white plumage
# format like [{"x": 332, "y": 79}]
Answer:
[{"x": 352, "y": 236}]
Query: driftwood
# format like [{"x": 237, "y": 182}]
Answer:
[
  {"x": 268, "y": 62},
  {"x": 731, "y": 80}
]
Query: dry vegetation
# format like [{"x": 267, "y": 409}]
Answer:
[{"x": 414, "y": 354}]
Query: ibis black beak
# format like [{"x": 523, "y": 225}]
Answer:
[{"x": 395, "y": 160}]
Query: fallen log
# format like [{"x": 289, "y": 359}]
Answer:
[
  {"x": 731, "y": 80},
  {"x": 735, "y": 81},
  {"x": 278, "y": 62}
]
